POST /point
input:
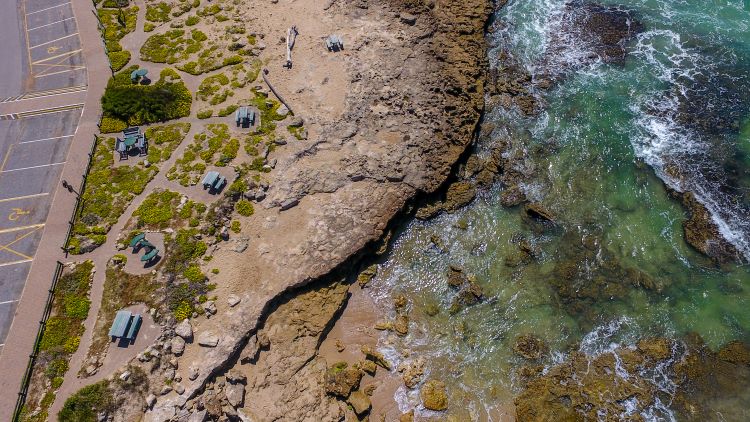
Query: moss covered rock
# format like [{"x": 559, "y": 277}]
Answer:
[{"x": 434, "y": 395}]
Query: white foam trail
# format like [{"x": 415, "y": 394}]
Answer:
[{"x": 661, "y": 140}]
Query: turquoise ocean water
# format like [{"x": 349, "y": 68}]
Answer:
[{"x": 604, "y": 143}]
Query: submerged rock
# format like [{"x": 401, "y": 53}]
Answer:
[
  {"x": 434, "y": 395},
  {"x": 622, "y": 383},
  {"x": 530, "y": 347},
  {"x": 702, "y": 233}
]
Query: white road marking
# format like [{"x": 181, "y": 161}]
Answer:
[
  {"x": 51, "y": 23},
  {"x": 18, "y": 198},
  {"x": 8, "y": 301},
  {"x": 57, "y": 39},
  {"x": 15, "y": 262},
  {"x": 34, "y": 167},
  {"x": 45, "y": 139},
  {"x": 47, "y": 8}
]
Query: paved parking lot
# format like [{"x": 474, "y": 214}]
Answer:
[
  {"x": 40, "y": 106},
  {"x": 30, "y": 170},
  {"x": 52, "y": 45}
]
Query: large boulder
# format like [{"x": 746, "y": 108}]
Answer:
[
  {"x": 235, "y": 393},
  {"x": 340, "y": 379},
  {"x": 360, "y": 402},
  {"x": 208, "y": 339},
  {"x": 184, "y": 330},
  {"x": 178, "y": 345}
]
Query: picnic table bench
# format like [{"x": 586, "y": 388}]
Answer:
[
  {"x": 150, "y": 255},
  {"x": 120, "y": 324},
  {"x": 213, "y": 181},
  {"x": 244, "y": 117},
  {"x": 137, "y": 239},
  {"x": 334, "y": 43}
]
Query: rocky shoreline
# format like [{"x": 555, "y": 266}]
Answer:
[{"x": 416, "y": 76}]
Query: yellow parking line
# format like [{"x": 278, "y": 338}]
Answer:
[
  {"x": 5, "y": 160},
  {"x": 73, "y": 69},
  {"x": 7, "y": 247},
  {"x": 67, "y": 53},
  {"x": 56, "y": 39},
  {"x": 18, "y": 198}
]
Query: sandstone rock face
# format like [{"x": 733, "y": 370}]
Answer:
[
  {"x": 288, "y": 380},
  {"x": 530, "y": 347},
  {"x": 413, "y": 99},
  {"x": 702, "y": 233},
  {"x": 434, "y": 396}
]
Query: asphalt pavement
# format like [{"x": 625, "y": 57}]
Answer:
[{"x": 42, "y": 81}]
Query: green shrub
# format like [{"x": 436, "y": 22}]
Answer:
[
  {"x": 209, "y": 10},
  {"x": 205, "y": 114},
  {"x": 148, "y": 27},
  {"x": 87, "y": 403},
  {"x": 57, "y": 382},
  {"x": 244, "y": 208},
  {"x": 228, "y": 110},
  {"x": 140, "y": 104},
  {"x": 118, "y": 59},
  {"x": 56, "y": 368},
  {"x": 236, "y": 226},
  {"x": 111, "y": 125},
  {"x": 192, "y": 20},
  {"x": 198, "y": 35}
]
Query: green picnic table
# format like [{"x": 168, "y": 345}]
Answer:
[
  {"x": 137, "y": 239},
  {"x": 138, "y": 73},
  {"x": 130, "y": 141},
  {"x": 149, "y": 256},
  {"x": 120, "y": 324}
]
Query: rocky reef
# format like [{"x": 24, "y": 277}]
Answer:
[{"x": 629, "y": 382}]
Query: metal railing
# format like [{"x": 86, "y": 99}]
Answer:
[{"x": 35, "y": 352}]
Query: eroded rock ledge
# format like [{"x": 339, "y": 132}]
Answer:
[{"x": 416, "y": 73}]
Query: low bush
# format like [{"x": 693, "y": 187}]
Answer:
[
  {"x": 244, "y": 208},
  {"x": 192, "y": 20},
  {"x": 111, "y": 125},
  {"x": 205, "y": 114}
]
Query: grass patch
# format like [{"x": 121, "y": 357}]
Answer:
[
  {"x": 210, "y": 89},
  {"x": 192, "y": 20},
  {"x": 157, "y": 210},
  {"x": 87, "y": 403},
  {"x": 116, "y": 24},
  {"x": 60, "y": 339},
  {"x": 109, "y": 191},
  {"x": 202, "y": 153},
  {"x": 244, "y": 208},
  {"x": 158, "y": 12},
  {"x": 205, "y": 114},
  {"x": 118, "y": 59},
  {"x": 163, "y": 140}
]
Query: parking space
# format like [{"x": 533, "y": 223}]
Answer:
[
  {"x": 34, "y": 150},
  {"x": 53, "y": 46}
]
